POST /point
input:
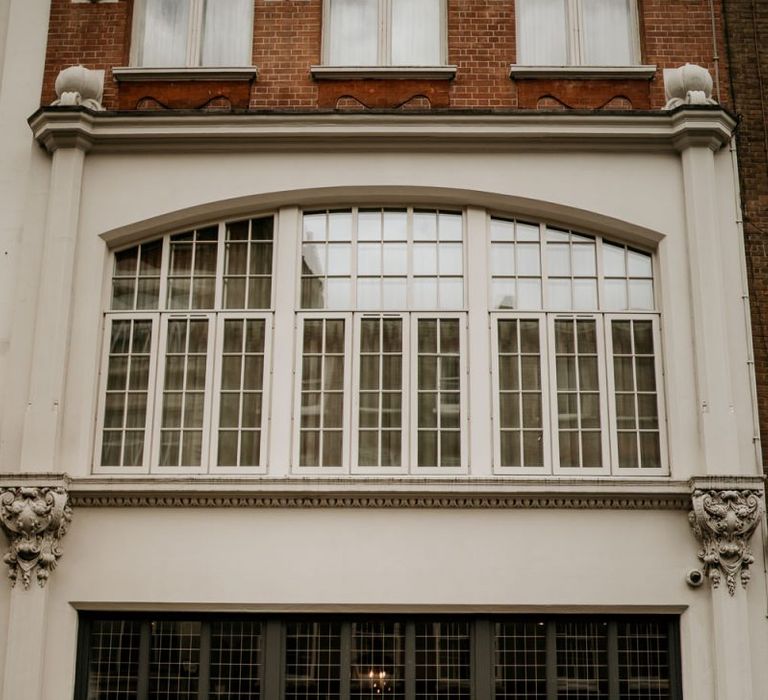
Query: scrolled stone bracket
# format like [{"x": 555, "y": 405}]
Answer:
[
  {"x": 723, "y": 518},
  {"x": 35, "y": 519}
]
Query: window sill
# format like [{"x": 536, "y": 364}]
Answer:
[
  {"x": 383, "y": 72},
  {"x": 517, "y": 72},
  {"x": 140, "y": 74}
]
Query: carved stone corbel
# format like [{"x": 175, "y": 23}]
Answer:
[
  {"x": 723, "y": 520},
  {"x": 35, "y": 520}
]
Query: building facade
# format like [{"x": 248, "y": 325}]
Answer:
[{"x": 376, "y": 348}]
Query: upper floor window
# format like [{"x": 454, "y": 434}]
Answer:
[
  {"x": 374, "y": 333},
  {"x": 177, "y": 33},
  {"x": 576, "y": 32},
  {"x": 384, "y": 32}
]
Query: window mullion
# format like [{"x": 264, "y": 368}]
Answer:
[
  {"x": 142, "y": 688},
  {"x": 345, "y": 670},
  {"x": 613, "y": 659},
  {"x": 385, "y": 33},
  {"x": 203, "y": 678},
  {"x": 575, "y": 51},
  {"x": 410, "y": 660},
  {"x": 195, "y": 33},
  {"x": 551, "y": 660},
  {"x": 483, "y": 659},
  {"x": 273, "y": 667}
]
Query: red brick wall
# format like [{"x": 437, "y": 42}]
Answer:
[
  {"x": 747, "y": 33},
  {"x": 481, "y": 43}
]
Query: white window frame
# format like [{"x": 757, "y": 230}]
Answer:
[
  {"x": 207, "y": 395},
  {"x": 545, "y": 394},
  {"x": 261, "y": 468},
  {"x": 405, "y": 393},
  {"x": 384, "y": 33},
  {"x": 602, "y": 388},
  {"x": 303, "y": 316},
  {"x": 660, "y": 395},
  {"x": 154, "y": 318},
  {"x": 463, "y": 467},
  {"x": 573, "y": 23},
  {"x": 194, "y": 35}
]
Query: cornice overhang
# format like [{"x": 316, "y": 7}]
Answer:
[
  {"x": 371, "y": 492},
  {"x": 187, "y": 132}
]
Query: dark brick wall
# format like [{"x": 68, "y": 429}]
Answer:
[
  {"x": 481, "y": 42},
  {"x": 747, "y": 36}
]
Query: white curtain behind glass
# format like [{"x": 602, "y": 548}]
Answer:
[
  {"x": 541, "y": 33},
  {"x": 227, "y": 32},
  {"x": 416, "y": 35},
  {"x": 607, "y": 36},
  {"x": 353, "y": 33},
  {"x": 164, "y": 39}
]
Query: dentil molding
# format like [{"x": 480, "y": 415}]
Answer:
[
  {"x": 35, "y": 520},
  {"x": 724, "y": 516}
]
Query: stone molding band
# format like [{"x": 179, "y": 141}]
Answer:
[{"x": 35, "y": 510}]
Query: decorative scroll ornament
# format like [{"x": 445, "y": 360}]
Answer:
[
  {"x": 723, "y": 521},
  {"x": 35, "y": 520},
  {"x": 79, "y": 86},
  {"x": 687, "y": 85}
]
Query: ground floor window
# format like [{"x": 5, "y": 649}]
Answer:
[{"x": 426, "y": 657}]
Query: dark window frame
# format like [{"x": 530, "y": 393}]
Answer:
[{"x": 482, "y": 647}]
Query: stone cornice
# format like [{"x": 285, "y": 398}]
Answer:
[
  {"x": 172, "y": 131},
  {"x": 403, "y": 492}
]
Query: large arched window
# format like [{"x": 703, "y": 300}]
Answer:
[{"x": 383, "y": 335}]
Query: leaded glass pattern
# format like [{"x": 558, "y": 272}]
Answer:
[
  {"x": 236, "y": 660},
  {"x": 507, "y": 657},
  {"x": 438, "y": 393},
  {"x": 582, "y": 660},
  {"x": 380, "y": 396},
  {"x": 377, "y": 666},
  {"x": 644, "y": 661},
  {"x": 126, "y": 398},
  {"x": 322, "y": 393},
  {"x": 521, "y": 660},
  {"x": 312, "y": 660},
  {"x": 175, "y": 660},
  {"x": 443, "y": 660},
  {"x": 113, "y": 666}
]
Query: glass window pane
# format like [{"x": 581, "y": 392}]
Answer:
[
  {"x": 613, "y": 260},
  {"x": 559, "y": 259},
  {"x": 606, "y": 36},
  {"x": 615, "y": 295},
  {"x": 541, "y": 33},
  {"x": 639, "y": 264},
  {"x": 584, "y": 260},
  {"x": 227, "y": 33},
  {"x": 340, "y": 226},
  {"x": 339, "y": 259},
  {"x": 416, "y": 32},
  {"x": 424, "y": 259},
  {"x": 584, "y": 294},
  {"x": 369, "y": 259},
  {"x": 165, "y": 31},
  {"x": 559, "y": 294},
  {"x": 395, "y": 259},
  {"x": 640, "y": 294},
  {"x": 353, "y": 33},
  {"x": 502, "y": 230},
  {"x": 528, "y": 259},
  {"x": 503, "y": 259}
]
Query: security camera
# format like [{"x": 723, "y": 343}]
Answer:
[{"x": 694, "y": 578}]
